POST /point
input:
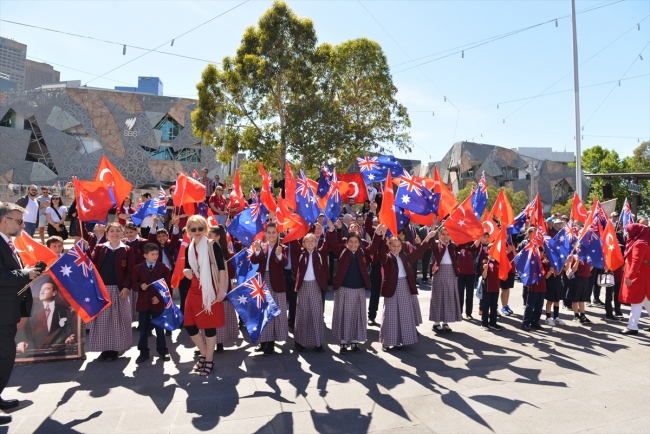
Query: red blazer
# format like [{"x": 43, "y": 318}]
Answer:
[
  {"x": 276, "y": 267},
  {"x": 137, "y": 246},
  {"x": 170, "y": 246},
  {"x": 367, "y": 225},
  {"x": 91, "y": 238},
  {"x": 637, "y": 269},
  {"x": 141, "y": 274},
  {"x": 438, "y": 251},
  {"x": 345, "y": 256},
  {"x": 390, "y": 269},
  {"x": 124, "y": 263},
  {"x": 320, "y": 264}
]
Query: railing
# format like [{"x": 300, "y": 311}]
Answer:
[{"x": 11, "y": 192}]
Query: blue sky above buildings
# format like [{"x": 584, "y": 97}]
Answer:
[{"x": 520, "y": 66}]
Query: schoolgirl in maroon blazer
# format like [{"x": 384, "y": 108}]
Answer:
[
  {"x": 166, "y": 243},
  {"x": 350, "y": 284},
  {"x": 133, "y": 240},
  {"x": 312, "y": 272},
  {"x": 271, "y": 256}
]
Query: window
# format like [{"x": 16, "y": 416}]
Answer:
[
  {"x": 170, "y": 128},
  {"x": 9, "y": 119},
  {"x": 187, "y": 155}
]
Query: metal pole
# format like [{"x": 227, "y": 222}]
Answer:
[{"x": 576, "y": 87}]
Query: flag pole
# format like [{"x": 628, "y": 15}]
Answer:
[{"x": 576, "y": 87}]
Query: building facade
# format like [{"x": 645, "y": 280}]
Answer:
[
  {"x": 12, "y": 61},
  {"x": 38, "y": 74},
  {"x": 62, "y": 130}
]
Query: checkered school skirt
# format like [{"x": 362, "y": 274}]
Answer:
[
  {"x": 416, "y": 309},
  {"x": 349, "y": 321},
  {"x": 111, "y": 330},
  {"x": 398, "y": 324},
  {"x": 134, "y": 299},
  {"x": 444, "y": 306},
  {"x": 230, "y": 330},
  {"x": 278, "y": 328},
  {"x": 309, "y": 330}
]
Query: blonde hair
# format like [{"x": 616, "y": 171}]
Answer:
[
  {"x": 199, "y": 221},
  {"x": 310, "y": 235},
  {"x": 114, "y": 225}
]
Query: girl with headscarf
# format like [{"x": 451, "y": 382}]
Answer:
[{"x": 635, "y": 288}]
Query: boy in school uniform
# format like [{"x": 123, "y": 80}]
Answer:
[
  {"x": 150, "y": 305},
  {"x": 55, "y": 244},
  {"x": 167, "y": 245}
]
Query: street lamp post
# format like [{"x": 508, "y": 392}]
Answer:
[
  {"x": 576, "y": 87},
  {"x": 531, "y": 169}
]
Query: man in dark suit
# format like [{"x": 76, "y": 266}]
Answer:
[{"x": 13, "y": 277}]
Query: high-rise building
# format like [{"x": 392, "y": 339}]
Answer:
[
  {"x": 152, "y": 85},
  {"x": 38, "y": 74},
  {"x": 12, "y": 61}
]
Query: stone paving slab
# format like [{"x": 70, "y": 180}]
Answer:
[{"x": 564, "y": 379}]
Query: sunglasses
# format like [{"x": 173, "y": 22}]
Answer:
[
  {"x": 197, "y": 229},
  {"x": 19, "y": 221}
]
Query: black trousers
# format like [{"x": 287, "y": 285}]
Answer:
[
  {"x": 595, "y": 289},
  {"x": 144, "y": 232},
  {"x": 290, "y": 286},
  {"x": 7, "y": 353},
  {"x": 426, "y": 264},
  {"x": 375, "y": 289},
  {"x": 489, "y": 308},
  {"x": 534, "y": 306},
  {"x": 466, "y": 292},
  {"x": 611, "y": 295},
  {"x": 144, "y": 319}
]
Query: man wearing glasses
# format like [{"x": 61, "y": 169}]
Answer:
[
  {"x": 13, "y": 277},
  {"x": 207, "y": 183},
  {"x": 43, "y": 202},
  {"x": 30, "y": 204}
]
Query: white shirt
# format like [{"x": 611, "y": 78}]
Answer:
[
  {"x": 372, "y": 192},
  {"x": 309, "y": 273},
  {"x": 49, "y": 319},
  {"x": 55, "y": 218},
  {"x": 446, "y": 259},
  {"x": 32, "y": 211},
  {"x": 165, "y": 259},
  {"x": 401, "y": 271},
  {"x": 147, "y": 222}
]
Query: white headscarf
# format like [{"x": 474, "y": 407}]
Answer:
[{"x": 203, "y": 272}]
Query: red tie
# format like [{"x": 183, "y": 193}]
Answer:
[{"x": 11, "y": 245}]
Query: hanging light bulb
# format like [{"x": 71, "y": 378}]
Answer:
[
  {"x": 497, "y": 106},
  {"x": 462, "y": 54},
  {"x": 583, "y": 128},
  {"x": 641, "y": 57},
  {"x": 638, "y": 26},
  {"x": 124, "y": 50},
  {"x": 433, "y": 113},
  {"x": 619, "y": 83},
  {"x": 583, "y": 137},
  {"x": 481, "y": 134},
  {"x": 504, "y": 120},
  {"x": 445, "y": 99},
  {"x": 556, "y": 22},
  {"x": 172, "y": 42}
]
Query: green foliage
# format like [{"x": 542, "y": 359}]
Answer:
[
  {"x": 565, "y": 208},
  {"x": 282, "y": 96},
  {"x": 601, "y": 160}
]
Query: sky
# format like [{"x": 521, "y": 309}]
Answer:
[{"x": 516, "y": 91}]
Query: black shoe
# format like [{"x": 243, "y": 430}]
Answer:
[
  {"x": 4, "y": 418},
  {"x": 165, "y": 357},
  {"x": 112, "y": 356},
  {"x": 597, "y": 302},
  {"x": 536, "y": 327},
  {"x": 291, "y": 329},
  {"x": 469, "y": 317},
  {"x": 399, "y": 347},
  {"x": 584, "y": 320},
  {"x": 343, "y": 348},
  {"x": 525, "y": 327},
  {"x": 386, "y": 348},
  {"x": 446, "y": 328},
  {"x": 355, "y": 347},
  {"x": 372, "y": 323},
  {"x": 611, "y": 318},
  {"x": 102, "y": 356},
  {"x": 261, "y": 347},
  {"x": 437, "y": 329},
  {"x": 425, "y": 280},
  {"x": 8, "y": 403},
  {"x": 141, "y": 358},
  {"x": 496, "y": 327},
  {"x": 270, "y": 348},
  {"x": 647, "y": 329},
  {"x": 168, "y": 332},
  {"x": 627, "y": 331},
  {"x": 219, "y": 348},
  {"x": 299, "y": 347},
  {"x": 320, "y": 349}
]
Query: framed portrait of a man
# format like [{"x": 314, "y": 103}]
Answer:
[{"x": 52, "y": 331}]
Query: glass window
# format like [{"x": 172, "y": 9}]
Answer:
[
  {"x": 9, "y": 119},
  {"x": 170, "y": 128}
]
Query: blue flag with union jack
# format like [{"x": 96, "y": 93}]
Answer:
[
  {"x": 480, "y": 197},
  {"x": 254, "y": 304},
  {"x": 333, "y": 208},
  {"x": 414, "y": 196},
  {"x": 248, "y": 223},
  {"x": 79, "y": 283},
  {"x": 626, "y": 216},
  {"x": 375, "y": 169},
  {"x": 157, "y": 206},
  {"x": 306, "y": 200},
  {"x": 529, "y": 265},
  {"x": 244, "y": 270},
  {"x": 171, "y": 317},
  {"x": 324, "y": 181}
]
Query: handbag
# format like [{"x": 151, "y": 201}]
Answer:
[
  {"x": 606, "y": 279},
  {"x": 479, "y": 288},
  {"x": 63, "y": 233}
]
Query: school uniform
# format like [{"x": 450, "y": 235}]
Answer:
[
  {"x": 580, "y": 290},
  {"x": 466, "y": 280},
  {"x": 398, "y": 325},
  {"x": 491, "y": 289},
  {"x": 350, "y": 285},
  {"x": 293, "y": 254},
  {"x": 111, "y": 329},
  {"x": 510, "y": 282},
  {"x": 311, "y": 280},
  {"x": 271, "y": 266},
  {"x": 167, "y": 250},
  {"x": 535, "y": 299},
  {"x": 445, "y": 303},
  {"x": 148, "y": 273},
  {"x": 230, "y": 330},
  {"x": 137, "y": 246},
  {"x": 408, "y": 248}
]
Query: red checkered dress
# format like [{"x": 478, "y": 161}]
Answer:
[
  {"x": 398, "y": 325},
  {"x": 111, "y": 330},
  {"x": 349, "y": 321},
  {"x": 309, "y": 327},
  {"x": 416, "y": 309},
  {"x": 278, "y": 328},
  {"x": 231, "y": 329},
  {"x": 444, "y": 306}
]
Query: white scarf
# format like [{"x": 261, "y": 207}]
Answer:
[{"x": 203, "y": 272}]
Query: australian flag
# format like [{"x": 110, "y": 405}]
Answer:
[
  {"x": 248, "y": 223},
  {"x": 254, "y": 304},
  {"x": 480, "y": 198},
  {"x": 259, "y": 205},
  {"x": 324, "y": 181},
  {"x": 520, "y": 220},
  {"x": 156, "y": 206},
  {"x": 529, "y": 265},
  {"x": 333, "y": 208},
  {"x": 79, "y": 283},
  {"x": 626, "y": 216},
  {"x": 591, "y": 247},
  {"x": 306, "y": 201},
  {"x": 171, "y": 317},
  {"x": 202, "y": 209},
  {"x": 243, "y": 267},
  {"x": 375, "y": 169},
  {"x": 558, "y": 248},
  {"x": 414, "y": 196}
]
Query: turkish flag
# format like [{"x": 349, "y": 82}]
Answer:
[
  {"x": 265, "y": 195},
  {"x": 289, "y": 187},
  {"x": 490, "y": 227},
  {"x": 387, "y": 214},
  {"x": 237, "y": 200},
  {"x": 93, "y": 200},
  {"x": 31, "y": 252},
  {"x": 611, "y": 250},
  {"x": 578, "y": 210},
  {"x": 425, "y": 220},
  {"x": 109, "y": 175},
  {"x": 500, "y": 254},
  {"x": 447, "y": 200},
  {"x": 353, "y": 186},
  {"x": 503, "y": 210},
  {"x": 188, "y": 190},
  {"x": 462, "y": 224},
  {"x": 180, "y": 262},
  {"x": 322, "y": 201}
]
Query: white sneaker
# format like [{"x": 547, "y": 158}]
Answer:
[
  {"x": 558, "y": 321},
  {"x": 549, "y": 321}
]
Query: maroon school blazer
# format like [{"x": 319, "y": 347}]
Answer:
[
  {"x": 124, "y": 263},
  {"x": 320, "y": 264},
  {"x": 390, "y": 269},
  {"x": 141, "y": 274},
  {"x": 276, "y": 267},
  {"x": 345, "y": 256}
]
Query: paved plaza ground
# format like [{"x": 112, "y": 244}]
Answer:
[{"x": 569, "y": 379}]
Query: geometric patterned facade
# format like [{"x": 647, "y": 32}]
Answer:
[
  {"x": 463, "y": 164},
  {"x": 54, "y": 133}
]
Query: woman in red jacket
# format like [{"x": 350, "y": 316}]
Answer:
[
  {"x": 230, "y": 330},
  {"x": 311, "y": 280},
  {"x": 636, "y": 284},
  {"x": 110, "y": 332},
  {"x": 271, "y": 256},
  {"x": 398, "y": 325}
]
